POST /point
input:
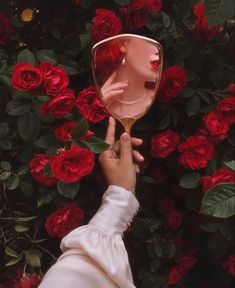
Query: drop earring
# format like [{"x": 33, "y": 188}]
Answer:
[{"x": 123, "y": 61}]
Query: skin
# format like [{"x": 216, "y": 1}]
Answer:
[{"x": 120, "y": 163}]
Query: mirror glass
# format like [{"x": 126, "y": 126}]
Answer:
[{"x": 127, "y": 70}]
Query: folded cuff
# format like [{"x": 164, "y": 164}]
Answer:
[{"x": 118, "y": 208}]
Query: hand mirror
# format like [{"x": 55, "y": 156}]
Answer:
[{"x": 127, "y": 70}]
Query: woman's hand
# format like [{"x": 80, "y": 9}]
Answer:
[
  {"x": 110, "y": 91},
  {"x": 117, "y": 162}
]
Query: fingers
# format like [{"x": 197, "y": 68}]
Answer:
[
  {"x": 110, "y": 135},
  {"x": 126, "y": 149},
  {"x": 137, "y": 156},
  {"x": 134, "y": 142},
  {"x": 110, "y": 79},
  {"x": 114, "y": 90},
  {"x": 137, "y": 169}
]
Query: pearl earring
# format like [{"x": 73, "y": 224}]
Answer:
[{"x": 123, "y": 61}]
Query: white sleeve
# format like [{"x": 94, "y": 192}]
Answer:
[{"x": 94, "y": 255}]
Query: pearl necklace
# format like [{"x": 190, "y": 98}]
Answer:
[{"x": 134, "y": 101}]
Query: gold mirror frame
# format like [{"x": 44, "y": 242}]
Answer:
[{"x": 128, "y": 121}]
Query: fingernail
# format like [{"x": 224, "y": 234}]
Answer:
[{"x": 125, "y": 137}]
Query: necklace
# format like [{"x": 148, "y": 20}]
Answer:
[{"x": 134, "y": 101}]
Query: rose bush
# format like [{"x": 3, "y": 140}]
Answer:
[{"x": 52, "y": 124}]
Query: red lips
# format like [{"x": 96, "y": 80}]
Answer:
[{"x": 155, "y": 64}]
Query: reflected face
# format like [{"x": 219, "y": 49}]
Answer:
[
  {"x": 143, "y": 58},
  {"x": 127, "y": 70}
]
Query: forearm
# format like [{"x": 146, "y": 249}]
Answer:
[{"x": 96, "y": 252}]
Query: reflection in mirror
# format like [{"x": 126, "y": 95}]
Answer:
[{"x": 127, "y": 70}]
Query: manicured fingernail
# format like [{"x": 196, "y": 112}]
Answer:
[{"x": 125, "y": 137}]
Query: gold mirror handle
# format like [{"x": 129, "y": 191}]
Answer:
[{"x": 127, "y": 123}]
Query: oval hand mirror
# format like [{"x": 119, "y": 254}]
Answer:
[{"x": 127, "y": 70}]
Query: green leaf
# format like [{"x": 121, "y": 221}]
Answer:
[
  {"x": 18, "y": 107},
  {"x": 46, "y": 141},
  {"x": 14, "y": 261},
  {"x": 11, "y": 252},
  {"x": 5, "y": 166},
  {"x": 13, "y": 182},
  {"x": 140, "y": 229},
  {"x": 190, "y": 180},
  {"x": 96, "y": 145},
  {"x": 5, "y": 144},
  {"x": 193, "y": 106},
  {"x": 21, "y": 228},
  {"x": 219, "y": 11},
  {"x": 68, "y": 190},
  {"x": 47, "y": 55},
  {"x": 6, "y": 79},
  {"x": 4, "y": 175},
  {"x": 164, "y": 121},
  {"x": 166, "y": 19},
  {"x": 211, "y": 225},
  {"x": 85, "y": 39},
  {"x": 122, "y": 2},
  {"x": 43, "y": 200},
  {"x": 33, "y": 258},
  {"x": 80, "y": 130},
  {"x": 4, "y": 129},
  {"x": 69, "y": 70},
  {"x": 219, "y": 201},
  {"x": 26, "y": 56},
  {"x": 25, "y": 219},
  {"x": 230, "y": 164},
  {"x": 29, "y": 126},
  {"x": 26, "y": 188}
]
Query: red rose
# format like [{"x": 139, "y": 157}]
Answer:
[
  {"x": 174, "y": 219},
  {"x": 223, "y": 175},
  {"x": 216, "y": 126},
  {"x": 166, "y": 204},
  {"x": 196, "y": 151},
  {"x": 64, "y": 220},
  {"x": 73, "y": 164},
  {"x": 26, "y": 77},
  {"x": 202, "y": 28},
  {"x": 5, "y": 29},
  {"x": 172, "y": 83},
  {"x": 37, "y": 165},
  {"x": 163, "y": 144},
  {"x": 90, "y": 106},
  {"x": 231, "y": 89},
  {"x": 76, "y": 2},
  {"x": 135, "y": 15},
  {"x": 59, "y": 105},
  {"x": 64, "y": 132},
  {"x": 179, "y": 271},
  {"x": 55, "y": 80},
  {"x": 175, "y": 275},
  {"x": 154, "y": 5},
  {"x": 187, "y": 262},
  {"x": 105, "y": 24},
  {"x": 226, "y": 107},
  {"x": 229, "y": 264},
  {"x": 23, "y": 280}
]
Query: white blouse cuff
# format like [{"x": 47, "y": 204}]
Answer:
[{"x": 118, "y": 208}]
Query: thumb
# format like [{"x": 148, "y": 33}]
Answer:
[{"x": 126, "y": 148}]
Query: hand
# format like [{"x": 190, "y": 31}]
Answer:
[
  {"x": 117, "y": 161},
  {"x": 111, "y": 90}
]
